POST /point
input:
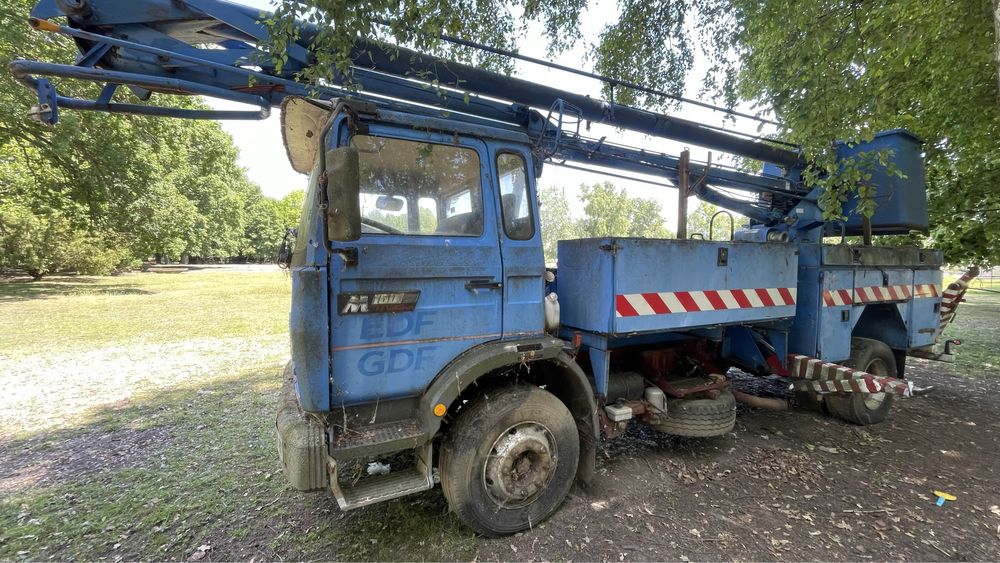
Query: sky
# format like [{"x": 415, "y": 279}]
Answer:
[{"x": 263, "y": 155}]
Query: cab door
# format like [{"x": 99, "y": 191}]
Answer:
[
  {"x": 520, "y": 243},
  {"x": 427, "y": 284}
]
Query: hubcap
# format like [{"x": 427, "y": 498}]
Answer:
[
  {"x": 520, "y": 465},
  {"x": 874, "y": 400}
]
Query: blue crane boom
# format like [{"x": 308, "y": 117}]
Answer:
[{"x": 214, "y": 48}]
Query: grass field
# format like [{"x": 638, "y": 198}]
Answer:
[
  {"x": 136, "y": 423},
  {"x": 977, "y": 325}
]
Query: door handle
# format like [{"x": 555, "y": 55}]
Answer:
[{"x": 473, "y": 285}]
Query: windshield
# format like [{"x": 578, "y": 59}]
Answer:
[{"x": 419, "y": 188}]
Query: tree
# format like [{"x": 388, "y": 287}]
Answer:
[
  {"x": 42, "y": 244},
  {"x": 289, "y": 208},
  {"x": 119, "y": 186},
  {"x": 557, "y": 222},
  {"x": 832, "y": 70},
  {"x": 828, "y": 69},
  {"x": 701, "y": 220},
  {"x": 610, "y": 212}
]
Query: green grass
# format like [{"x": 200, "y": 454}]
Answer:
[
  {"x": 977, "y": 324},
  {"x": 193, "y": 358},
  {"x": 142, "y": 428},
  {"x": 67, "y": 313}
]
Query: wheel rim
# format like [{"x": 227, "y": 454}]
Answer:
[
  {"x": 873, "y": 401},
  {"x": 521, "y": 463}
]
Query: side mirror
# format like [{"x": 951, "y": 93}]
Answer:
[{"x": 343, "y": 194}]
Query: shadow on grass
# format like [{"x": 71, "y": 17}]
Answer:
[
  {"x": 160, "y": 475},
  {"x": 24, "y": 289}
]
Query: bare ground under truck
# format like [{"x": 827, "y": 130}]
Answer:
[{"x": 430, "y": 344}]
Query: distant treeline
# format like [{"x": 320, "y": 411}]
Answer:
[{"x": 100, "y": 192}]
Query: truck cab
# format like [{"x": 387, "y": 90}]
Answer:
[{"x": 417, "y": 272}]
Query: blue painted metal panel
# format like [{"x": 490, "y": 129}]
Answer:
[
  {"x": 740, "y": 347},
  {"x": 387, "y": 355},
  {"x": 892, "y": 334},
  {"x": 586, "y": 288},
  {"x": 600, "y": 365},
  {"x": 833, "y": 337},
  {"x": 591, "y": 279},
  {"x": 310, "y": 337},
  {"x": 925, "y": 312},
  {"x": 804, "y": 333}
]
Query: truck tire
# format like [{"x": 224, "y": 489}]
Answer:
[
  {"x": 699, "y": 418},
  {"x": 876, "y": 358},
  {"x": 508, "y": 461}
]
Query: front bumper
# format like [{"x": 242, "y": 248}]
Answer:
[{"x": 302, "y": 441}]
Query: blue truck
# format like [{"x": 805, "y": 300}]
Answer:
[{"x": 430, "y": 343}]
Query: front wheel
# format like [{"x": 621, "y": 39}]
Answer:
[
  {"x": 876, "y": 358},
  {"x": 509, "y": 460}
]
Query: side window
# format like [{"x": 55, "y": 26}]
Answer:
[
  {"x": 419, "y": 188},
  {"x": 514, "y": 203}
]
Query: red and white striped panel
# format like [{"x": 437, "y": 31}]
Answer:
[
  {"x": 925, "y": 290},
  {"x": 866, "y": 384},
  {"x": 668, "y": 302},
  {"x": 869, "y": 294},
  {"x": 952, "y": 296},
  {"x": 827, "y": 377}
]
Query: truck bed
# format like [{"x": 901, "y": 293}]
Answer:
[{"x": 624, "y": 286}]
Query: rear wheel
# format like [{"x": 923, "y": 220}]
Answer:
[
  {"x": 509, "y": 460},
  {"x": 876, "y": 358}
]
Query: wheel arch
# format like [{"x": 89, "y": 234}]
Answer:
[
  {"x": 540, "y": 361},
  {"x": 884, "y": 323}
]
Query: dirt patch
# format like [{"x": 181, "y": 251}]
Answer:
[
  {"x": 47, "y": 461},
  {"x": 86, "y": 382},
  {"x": 794, "y": 486}
]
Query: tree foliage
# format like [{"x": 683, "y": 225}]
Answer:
[
  {"x": 557, "y": 222},
  {"x": 99, "y": 191},
  {"x": 608, "y": 212},
  {"x": 844, "y": 71},
  {"x": 701, "y": 222},
  {"x": 828, "y": 69}
]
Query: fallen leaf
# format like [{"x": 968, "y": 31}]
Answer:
[
  {"x": 694, "y": 532},
  {"x": 599, "y": 505}
]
